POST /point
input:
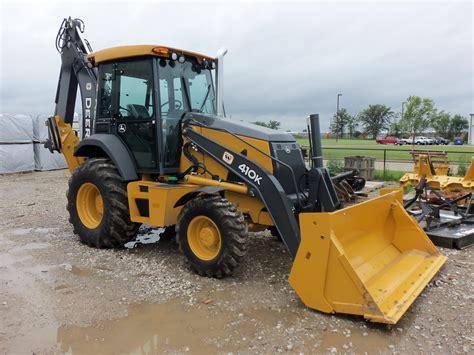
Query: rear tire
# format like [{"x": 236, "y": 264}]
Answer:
[
  {"x": 212, "y": 234},
  {"x": 106, "y": 222}
]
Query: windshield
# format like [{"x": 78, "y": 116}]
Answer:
[{"x": 185, "y": 86}]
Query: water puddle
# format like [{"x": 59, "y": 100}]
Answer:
[
  {"x": 169, "y": 327},
  {"x": 26, "y": 231},
  {"x": 177, "y": 327},
  {"x": 355, "y": 339},
  {"x": 18, "y": 231},
  {"x": 29, "y": 246},
  {"x": 207, "y": 326},
  {"x": 81, "y": 271}
]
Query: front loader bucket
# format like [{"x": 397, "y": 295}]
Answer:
[{"x": 370, "y": 259}]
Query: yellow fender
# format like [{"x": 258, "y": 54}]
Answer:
[{"x": 370, "y": 259}]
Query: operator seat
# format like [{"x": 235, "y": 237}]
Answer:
[{"x": 138, "y": 111}]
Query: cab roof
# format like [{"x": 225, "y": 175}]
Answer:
[{"x": 121, "y": 52}]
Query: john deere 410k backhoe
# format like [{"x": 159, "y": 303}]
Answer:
[{"x": 157, "y": 149}]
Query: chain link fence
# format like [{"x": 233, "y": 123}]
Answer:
[{"x": 392, "y": 163}]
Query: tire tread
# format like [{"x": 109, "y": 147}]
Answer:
[{"x": 232, "y": 225}]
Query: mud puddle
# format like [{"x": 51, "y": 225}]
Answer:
[
  {"x": 205, "y": 327},
  {"x": 169, "y": 327},
  {"x": 357, "y": 339},
  {"x": 80, "y": 271}
]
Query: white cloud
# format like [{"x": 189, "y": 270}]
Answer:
[{"x": 286, "y": 59}]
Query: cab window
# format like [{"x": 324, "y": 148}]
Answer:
[
  {"x": 104, "y": 106},
  {"x": 135, "y": 98},
  {"x": 201, "y": 93},
  {"x": 184, "y": 87}
]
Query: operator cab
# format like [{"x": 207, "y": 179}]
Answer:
[{"x": 143, "y": 92}]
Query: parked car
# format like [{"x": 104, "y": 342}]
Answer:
[
  {"x": 427, "y": 140},
  {"x": 441, "y": 141},
  {"x": 418, "y": 140},
  {"x": 387, "y": 140},
  {"x": 458, "y": 141}
]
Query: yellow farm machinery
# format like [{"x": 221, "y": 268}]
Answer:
[{"x": 434, "y": 167}]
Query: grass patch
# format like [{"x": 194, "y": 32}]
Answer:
[
  {"x": 464, "y": 164},
  {"x": 349, "y": 147},
  {"x": 335, "y": 167},
  {"x": 390, "y": 175}
]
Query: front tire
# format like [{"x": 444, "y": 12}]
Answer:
[
  {"x": 212, "y": 234},
  {"x": 98, "y": 205}
]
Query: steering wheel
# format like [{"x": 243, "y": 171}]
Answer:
[
  {"x": 125, "y": 109},
  {"x": 177, "y": 104}
]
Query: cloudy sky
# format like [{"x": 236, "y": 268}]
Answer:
[{"x": 285, "y": 61}]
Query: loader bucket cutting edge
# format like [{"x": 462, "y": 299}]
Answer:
[{"x": 370, "y": 259}]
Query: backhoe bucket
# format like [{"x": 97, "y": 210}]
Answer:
[{"x": 370, "y": 259}]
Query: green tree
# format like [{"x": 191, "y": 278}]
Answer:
[
  {"x": 376, "y": 118},
  {"x": 339, "y": 122},
  {"x": 418, "y": 115},
  {"x": 270, "y": 124},
  {"x": 273, "y": 124},
  {"x": 440, "y": 122},
  {"x": 352, "y": 124},
  {"x": 396, "y": 129},
  {"x": 457, "y": 126}
]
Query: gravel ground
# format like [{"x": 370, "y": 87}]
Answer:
[{"x": 58, "y": 295}]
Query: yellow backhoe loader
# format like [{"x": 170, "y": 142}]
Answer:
[{"x": 156, "y": 148}]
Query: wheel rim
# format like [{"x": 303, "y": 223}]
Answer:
[
  {"x": 204, "y": 238},
  {"x": 90, "y": 206}
]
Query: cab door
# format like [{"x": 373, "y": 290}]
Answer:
[{"x": 135, "y": 114}]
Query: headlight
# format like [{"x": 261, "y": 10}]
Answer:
[{"x": 174, "y": 56}]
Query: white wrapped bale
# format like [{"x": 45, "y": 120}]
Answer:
[
  {"x": 16, "y": 129},
  {"x": 40, "y": 131},
  {"x": 45, "y": 160},
  {"x": 15, "y": 158}
]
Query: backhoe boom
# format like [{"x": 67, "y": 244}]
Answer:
[{"x": 75, "y": 71}]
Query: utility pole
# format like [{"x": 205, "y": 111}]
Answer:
[
  {"x": 470, "y": 132},
  {"x": 337, "y": 118},
  {"x": 403, "y": 106}
]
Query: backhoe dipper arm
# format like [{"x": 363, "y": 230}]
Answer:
[
  {"x": 75, "y": 70},
  {"x": 265, "y": 185}
]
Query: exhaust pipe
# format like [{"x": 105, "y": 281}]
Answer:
[
  {"x": 220, "y": 82},
  {"x": 316, "y": 151}
]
